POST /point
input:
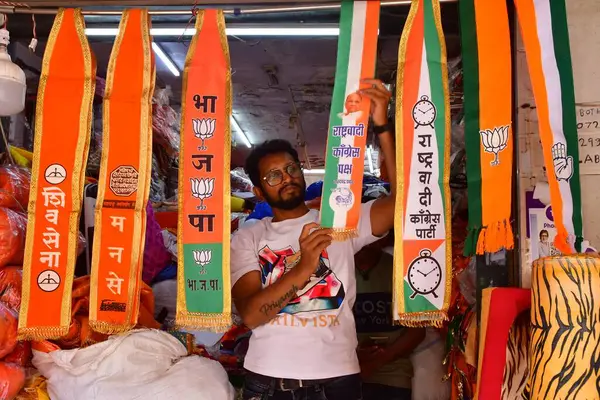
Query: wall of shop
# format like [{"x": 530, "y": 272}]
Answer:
[{"x": 584, "y": 32}]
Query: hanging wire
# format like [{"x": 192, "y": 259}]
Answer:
[{"x": 194, "y": 11}]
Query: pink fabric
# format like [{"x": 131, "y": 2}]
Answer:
[{"x": 156, "y": 255}]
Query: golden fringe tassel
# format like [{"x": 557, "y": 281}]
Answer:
[
  {"x": 218, "y": 323},
  {"x": 109, "y": 328},
  {"x": 43, "y": 333},
  {"x": 340, "y": 235},
  {"x": 423, "y": 319}
]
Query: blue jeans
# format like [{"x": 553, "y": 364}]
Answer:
[
  {"x": 342, "y": 388},
  {"x": 374, "y": 391}
]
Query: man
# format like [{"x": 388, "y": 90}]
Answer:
[
  {"x": 294, "y": 286},
  {"x": 384, "y": 351}
]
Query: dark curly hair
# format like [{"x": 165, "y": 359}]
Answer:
[{"x": 276, "y": 146}]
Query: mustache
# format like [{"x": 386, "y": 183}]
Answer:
[{"x": 288, "y": 185}]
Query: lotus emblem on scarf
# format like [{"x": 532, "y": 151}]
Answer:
[
  {"x": 202, "y": 258},
  {"x": 204, "y": 128},
  {"x": 494, "y": 141},
  {"x": 202, "y": 188}
]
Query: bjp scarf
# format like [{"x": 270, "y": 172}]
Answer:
[
  {"x": 203, "y": 281},
  {"x": 422, "y": 248},
  {"x": 488, "y": 111},
  {"x": 124, "y": 184},
  {"x": 62, "y": 133},
  {"x": 349, "y": 118}
]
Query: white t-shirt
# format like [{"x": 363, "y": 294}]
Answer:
[{"x": 314, "y": 336}]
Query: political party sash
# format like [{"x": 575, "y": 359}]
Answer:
[
  {"x": 488, "y": 112},
  {"x": 62, "y": 133},
  {"x": 124, "y": 184},
  {"x": 349, "y": 118},
  {"x": 203, "y": 281},
  {"x": 422, "y": 249}
]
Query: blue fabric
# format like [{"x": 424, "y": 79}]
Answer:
[
  {"x": 169, "y": 272},
  {"x": 314, "y": 191}
]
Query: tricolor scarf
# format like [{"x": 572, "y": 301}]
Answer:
[
  {"x": 488, "y": 111},
  {"x": 124, "y": 184},
  {"x": 349, "y": 118},
  {"x": 203, "y": 281},
  {"x": 422, "y": 248},
  {"x": 62, "y": 133}
]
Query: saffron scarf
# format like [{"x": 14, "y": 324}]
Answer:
[
  {"x": 124, "y": 184},
  {"x": 422, "y": 248},
  {"x": 203, "y": 279},
  {"x": 62, "y": 133},
  {"x": 488, "y": 128},
  {"x": 349, "y": 118}
]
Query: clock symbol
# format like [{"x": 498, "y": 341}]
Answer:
[
  {"x": 424, "y": 274},
  {"x": 424, "y": 112}
]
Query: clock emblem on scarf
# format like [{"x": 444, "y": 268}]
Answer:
[
  {"x": 424, "y": 112},
  {"x": 424, "y": 274}
]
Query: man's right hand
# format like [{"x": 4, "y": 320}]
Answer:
[
  {"x": 312, "y": 243},
  {"x": 258, "y": 305}
]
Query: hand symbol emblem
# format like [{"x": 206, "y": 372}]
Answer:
[{"x": 563, "y": 164}]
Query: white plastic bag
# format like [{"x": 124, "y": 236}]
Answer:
[{"x": 143, "y": 364}]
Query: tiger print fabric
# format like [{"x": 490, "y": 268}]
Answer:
[
  {"x": 565, "y": 337},
  {"x": 516, "y": 369}
]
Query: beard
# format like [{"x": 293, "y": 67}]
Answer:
[{"x": 288, "y": 203}]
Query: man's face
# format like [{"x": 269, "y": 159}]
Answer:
[
  {"x": 282, "y": 183},
  {"x": 353, "y": 102}
]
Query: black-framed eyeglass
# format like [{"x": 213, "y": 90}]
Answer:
[{"x": 275, "y": 176}]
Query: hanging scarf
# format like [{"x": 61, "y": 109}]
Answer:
[
  {"x": 488, "y": 111},
  {"x": 124, "y": 184},
  {"x": 422, "y": 249},
  {"x": 62, "y": 133},
  {"x": 203, "y": 280},
  {"x": 349, "y": 118}
]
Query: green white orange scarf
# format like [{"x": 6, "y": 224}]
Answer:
[
  {"x": 488, "y": 112},
  {"x": 422, "y": 248},
  {"x": 203, "y": 280},
  {"x": 348, "y": 121}
]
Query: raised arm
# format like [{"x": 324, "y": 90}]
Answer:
[
  {"x": 382, "y": 211},
  {"x": 258, "y": 306}
]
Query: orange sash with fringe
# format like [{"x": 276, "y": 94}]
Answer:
[
  {"x": 62, "y": 134},
  {"x": 123, "y": 189},
  {"x": 204, "y": 226}
]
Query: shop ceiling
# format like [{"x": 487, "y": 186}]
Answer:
[{"x": 282, "y": 85}]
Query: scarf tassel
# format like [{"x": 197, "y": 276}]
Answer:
[{"x": 495, "y": 237}]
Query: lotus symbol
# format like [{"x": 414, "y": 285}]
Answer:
[
  {"x": 202, "y": 188},
  {"x": 494, "y": 141},
  {"x": 204, "y": 128},
  {"x": 202, "y": 258}
]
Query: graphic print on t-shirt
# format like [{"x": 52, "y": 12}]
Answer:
[{"x": 324, "y": 291}]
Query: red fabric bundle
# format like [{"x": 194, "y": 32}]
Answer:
[
  {"x": 14, "y": 187},
  {"x": 12, "y": 237},
  {"x": 12, "y": 379},
  {"x": 8, "y": 331},
  {"x": 21, "y": 355},
  {"x": 11, "y": 279}
]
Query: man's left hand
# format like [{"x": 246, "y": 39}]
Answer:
[{"x": 380, "y": 100}]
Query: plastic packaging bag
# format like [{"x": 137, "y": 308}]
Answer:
[
  {"x": 12, "y": 237},
  {"x": 21, "y": 355},
  {"x": 12, "y": 379},
  {"x": 8, "y": 331},
  {"x": 11, "y": 279},
  {"x": 14, "y": 187},
  {"x": 148, "y": 364}
]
